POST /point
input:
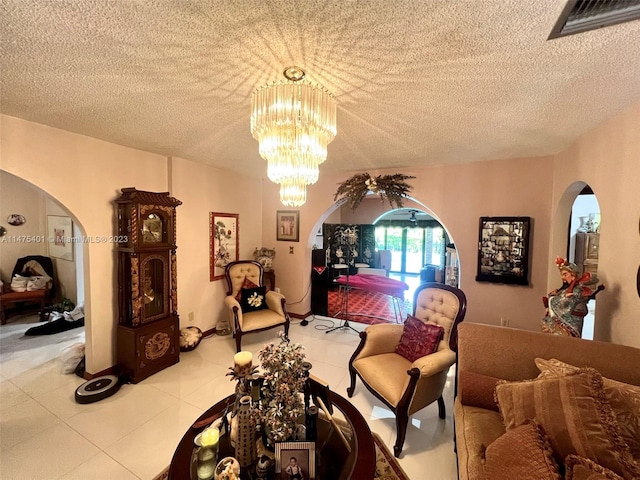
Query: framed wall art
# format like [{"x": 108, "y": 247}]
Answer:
[
  {"x": 223, "y": 234},
  {"x": 503, "y": 250},
  {"x": 60, "y": 233},
  {"x": 288, "y": 225},
  {"x": 295, "y": 460}
]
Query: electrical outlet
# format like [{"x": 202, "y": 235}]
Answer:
[
  {"x": 290, "y": 250},
  {"x": 190, "y": 317},
  {"x": 504, "y": 322}
]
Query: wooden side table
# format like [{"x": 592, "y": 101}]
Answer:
[{"x": 270, "y": 276}]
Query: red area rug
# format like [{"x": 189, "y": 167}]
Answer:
[{"x": 368, "y": 307}]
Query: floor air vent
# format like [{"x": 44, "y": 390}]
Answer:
[{"x": 584, "y": 15}]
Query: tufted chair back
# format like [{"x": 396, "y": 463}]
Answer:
[
  {"x": 238, "y": 271},
  {"x": 441, "y": 305}
]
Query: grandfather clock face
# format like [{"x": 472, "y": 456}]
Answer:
[{"x": 152, "y": 228}]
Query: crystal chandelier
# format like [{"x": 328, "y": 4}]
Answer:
[{"x": 293, "y": 121}]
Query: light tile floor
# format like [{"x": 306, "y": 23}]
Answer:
[{"x": 46, "y": 435}]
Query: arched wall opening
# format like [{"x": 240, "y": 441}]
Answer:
[
  {"x": 370, "y": 211},
  {"x": 19, "y": 194},
  {"x": 576, "y": 238}
]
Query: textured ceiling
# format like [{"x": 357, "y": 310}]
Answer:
[{"x": 417, "y": 82}]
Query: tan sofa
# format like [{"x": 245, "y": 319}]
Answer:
[{"x": 509, "y": 354}]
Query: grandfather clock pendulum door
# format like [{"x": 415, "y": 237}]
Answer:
[{"x": 148, "y": 323}]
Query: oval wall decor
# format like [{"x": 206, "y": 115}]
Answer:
[
  {"x": 16, "y": 219},
  {"x": 638, "y": 281}
]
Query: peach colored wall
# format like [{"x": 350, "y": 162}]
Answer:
[
  {"x": 608, "y": 159},
  {"x": 17, "y": 196},
  {"x": 85, "y": 176},
  {"x": 203, "y": 189},
  {"x": 458, "y": 195}
]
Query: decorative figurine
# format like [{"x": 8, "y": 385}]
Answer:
[{"x": 567, "y": 305}]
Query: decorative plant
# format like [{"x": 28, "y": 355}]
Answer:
[
  {"x": 392, "y": 187},
  {"x": 284, "y": 376}
]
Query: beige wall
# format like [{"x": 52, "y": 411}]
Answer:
[
  {"x": 84, "y": 175},
  {"x": 204, "y": 189},
  {"x": 17, "y": 196},
  {"x": 608, "y": 159},
  {"x": 458, "y": 195}
]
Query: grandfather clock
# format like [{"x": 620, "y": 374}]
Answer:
[{"x": 148, "y": 323}]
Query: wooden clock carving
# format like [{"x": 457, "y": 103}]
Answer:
[{"x": 148, "y": 323}]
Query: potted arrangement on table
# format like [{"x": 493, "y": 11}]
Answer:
[{"x": 282, "y": 402}]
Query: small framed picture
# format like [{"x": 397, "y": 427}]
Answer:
[
  {"x": 296, "y": 460},
  {"x": 60, "y": 230},
  {"x": 288, "y": 225}
]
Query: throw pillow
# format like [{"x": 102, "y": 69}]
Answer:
[
  {"x": 580, "y": 468},
  {"x": 623, "y": 398},
  {"x": 575, "y": 414},
  {"x": 477, "y": 390},
  {"x": 252, "y": 299},
  {"x": 523, "y": 452},
  {"x": 245, "y": 284},
  {"x": 418, "y": 339}
]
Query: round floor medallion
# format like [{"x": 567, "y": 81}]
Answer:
[{"x": 97, "y": 389}]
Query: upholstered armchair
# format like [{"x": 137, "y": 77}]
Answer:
[
  {"x": 251, "y": 307},
  {"x": 407, "y": 386}
]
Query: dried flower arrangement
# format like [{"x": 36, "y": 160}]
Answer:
[
  {"x": 392, "y": 187},
  {"x": 284, "y": 375}
]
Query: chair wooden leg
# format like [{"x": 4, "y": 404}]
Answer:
[
  {"x": 402, "y": 420},
  {"x": 352, "y": 387},
  {"x": 441, "y": 410},
  {"x": 238, "y": 340}
]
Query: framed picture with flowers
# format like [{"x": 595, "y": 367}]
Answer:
[{"x": 223, "y": 234}]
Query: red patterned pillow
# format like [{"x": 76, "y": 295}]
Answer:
[
  {"x": 246, "y": 284},
  {"x": 419, "y": 339}
]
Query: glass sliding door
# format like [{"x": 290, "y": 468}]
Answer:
[
  {"x": 414, "y": 251},
  {"x": 412, "y": 247}
]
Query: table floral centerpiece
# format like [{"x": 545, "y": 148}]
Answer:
[{"x": 282, "y": 403}]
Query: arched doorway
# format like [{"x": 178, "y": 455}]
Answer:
[
  {"x": 40, "y": 210},
  {"x": 412, "y": 235},
  {"x": 583, "y": 242}
]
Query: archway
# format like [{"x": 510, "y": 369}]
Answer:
[
  {"x": 584, "y": 235},
  {"x": 41, "y": 209},
  {"x": 576, "y": 237},
  {"x": 372, "y": 212}
]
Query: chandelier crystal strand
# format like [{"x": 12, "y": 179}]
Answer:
[{"x": 293, "y": 121}]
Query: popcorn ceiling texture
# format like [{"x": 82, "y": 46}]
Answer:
[{"x": 417, "y": 82}]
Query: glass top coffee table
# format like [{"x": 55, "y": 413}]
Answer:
[{"x": 333, "y": 460}]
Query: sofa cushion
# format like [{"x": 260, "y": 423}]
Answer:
[
  {"x": 522, "y": 452},
  {"x": 419, "y": 339},
  {"x": 253, "y": 299},
  {"x": 475, "y": 429},
  {"x": 575, "y": 414},
  {"x": 580, "y": 468},
  {"x": 477, "y": 390},
  {"x": 623, "y": 398}
]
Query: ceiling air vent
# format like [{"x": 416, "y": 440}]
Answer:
[{"x": 584, "y": 15}]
